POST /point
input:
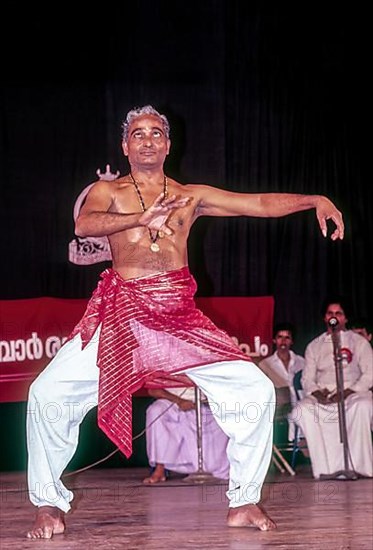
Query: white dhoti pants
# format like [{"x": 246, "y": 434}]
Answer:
[{"x": 241, "y": 397}]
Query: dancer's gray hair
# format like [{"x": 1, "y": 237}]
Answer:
[{"x": 139, "y": 111}]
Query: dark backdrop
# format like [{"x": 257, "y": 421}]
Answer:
[{"x": 258, "y": 101}]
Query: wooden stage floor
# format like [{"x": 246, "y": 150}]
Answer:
[{"x": 114, "y": 510}]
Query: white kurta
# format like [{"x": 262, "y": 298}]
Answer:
[
  {"x": 282, "y": 377},
  {"x": 319, "y": 423}
]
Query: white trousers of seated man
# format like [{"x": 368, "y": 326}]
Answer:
[
  {"x": 320, "y": 426},
  {"x": 241, "y": 398}
]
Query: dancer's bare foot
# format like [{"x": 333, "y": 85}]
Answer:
[
  {"x": 49, "y": 521},
  {"x": 250, "y": 515},
  {"x": 158, "y": 475}
]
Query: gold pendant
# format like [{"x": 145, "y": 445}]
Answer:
[{"x": 154, "y": 247}]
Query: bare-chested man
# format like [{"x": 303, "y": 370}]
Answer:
[{"x": 147, "y": 297}]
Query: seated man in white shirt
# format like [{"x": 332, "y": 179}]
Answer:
[
  {"x": 281, "y": 367},
  {"x": 318, "y": 415},
  {"x": 171, "y": 436}
]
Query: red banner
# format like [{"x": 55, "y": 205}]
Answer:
[{"x": 32, "y": 331}]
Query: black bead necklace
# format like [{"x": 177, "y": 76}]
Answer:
[{"x": 154, "y": 246}]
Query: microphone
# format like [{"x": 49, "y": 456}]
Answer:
[{"x": 333, "y": 322}]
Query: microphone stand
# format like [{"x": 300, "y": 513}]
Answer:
[
  {"x": 347, "y": 473},
  {"x": 200, "y": 476}
]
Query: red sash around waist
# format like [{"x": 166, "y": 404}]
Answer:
[{"x": 150, "y": 329}]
